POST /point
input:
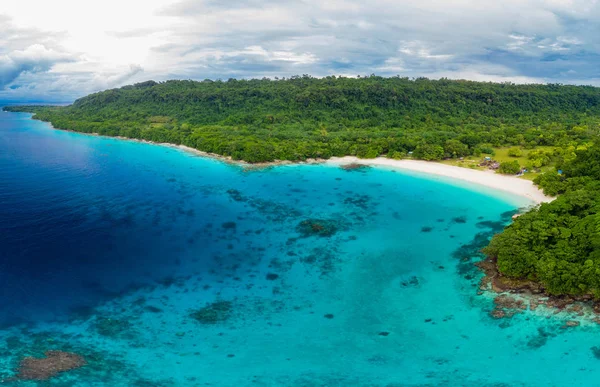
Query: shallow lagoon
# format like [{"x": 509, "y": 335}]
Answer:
[{"x": 110, "y": 249}]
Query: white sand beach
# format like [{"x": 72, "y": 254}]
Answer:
[{"x": 510, "y": 184}]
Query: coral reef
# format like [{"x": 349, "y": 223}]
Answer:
[
  {"x": 507, "y": 306},
  {"x": 111, "y": 327},
  {"x": 213, "y": 313},
  {"x": 413, "y": 281},
  {"x": 459, "y": 219},
  {"x": 229, "y": 225},
  {"x": 236, "y": 195},
  {"x": 540, "y": 339},
  {"x": 361, "y": 201},
  {"x": 354, "y": 167},
  {"x": 324, "y": 259},
  {"x": 67, "y": 360},
  {"x": 317, "y": 227},
  {"x": 571, "y": 323},
  {"x": 272, "y": 210},
  {"x": 471, "y": 257},
  {"x": 55, "y": 362},
  {"x": 153, "y": 309}
]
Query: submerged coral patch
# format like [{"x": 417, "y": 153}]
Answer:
[
  {"x": 354, "y": 167},
  {"x": 112, "y": 327},
  {"x": 317, "y": 227},
  {"x": 496, "y": 226},
  {"x": 236, "y": 195},
  {"x": 459, "y": 219},
  {"x": 153, "y": 309},
  {"x": 413, "y": 281},
  {"x": 52, "y": 364},
  {"x": 213, "y": 313},
  {"x": 324, "y": 259},
  {"x": 229, "y": 225},
  {"x": 507, "y": 215},
  {"x": 361, "y": 201},
  {"x": 272, "y": 210},
  {"x": 540, "y": 339},
  {"x": 473, "y": 248}
]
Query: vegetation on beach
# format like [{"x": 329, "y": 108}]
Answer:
[
  {"x": 306, "y": 117},
  {"x": 533, "y": 161},
  {"x": 558, "y": 244},
  {"x": 509, "y": 167}
]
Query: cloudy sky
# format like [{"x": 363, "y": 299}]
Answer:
[{"x": 62, "y": 49}]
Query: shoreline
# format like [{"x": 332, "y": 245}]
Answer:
[
  {"x": 512, "y": 296},
  {"x": 489, "y": 179},
  {"x": 492, "y": 280},
  {"x": 508, "y": 184}
]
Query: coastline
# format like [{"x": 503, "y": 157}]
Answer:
[
  {"x": 489, "y": 179},
  {"x": 527, "y": 294},
  {"x": 509, "y": 184},
  {"x": 510, "y": 296}
]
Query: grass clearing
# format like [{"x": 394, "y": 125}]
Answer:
[{"x": 501, "y": 155}]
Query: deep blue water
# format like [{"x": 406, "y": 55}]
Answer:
[{"x": 107, "y": 248}]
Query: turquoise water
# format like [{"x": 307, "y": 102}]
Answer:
[{"x": 109, "y": 247}]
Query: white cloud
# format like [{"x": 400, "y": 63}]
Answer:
[
  {"x": 420, "y": 50},
  {"x": 34, "y": 59},
  {"x": 96, "y": 45},
  {"x": 392, "y": 65},
  {"x": 486, "y": 72}
]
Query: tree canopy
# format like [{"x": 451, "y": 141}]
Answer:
[
  {"x": 305, "y": 117},
  {"x": 558, "y": 244}
]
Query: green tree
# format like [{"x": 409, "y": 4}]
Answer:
[
  {"x": 455, "y": 148},
  {"x": 302, "y": 116},
  {"x": 510, "y": 167},
  {"x": 515, "y": 152},
  {"x": 539, "y": 158},
  {"x": 429, "y": 152}
]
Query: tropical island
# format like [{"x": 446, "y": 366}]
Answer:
[{"x": 545, "y": 133}]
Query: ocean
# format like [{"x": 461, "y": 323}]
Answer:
[{"x": 164, "y": 268}]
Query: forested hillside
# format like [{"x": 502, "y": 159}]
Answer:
[
  {"x": 305, "y": 117},
  {"x": 558, "y": 245}
]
